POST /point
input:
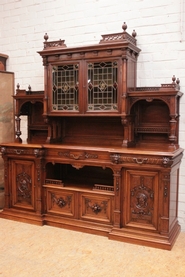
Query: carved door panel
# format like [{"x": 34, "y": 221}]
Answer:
[
  {"x": 60, "y": 202},
  {"x": 96, "y": 208},
  {"x": 23, "y": 194},
  {"x": 140, "y": 205}
]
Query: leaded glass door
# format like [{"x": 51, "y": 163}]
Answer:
[
  {"x": 65, "y": 87},
  {"x": 103, "y": 86}
]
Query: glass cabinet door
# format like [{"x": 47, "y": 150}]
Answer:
[
  {"x": 65, "y": 87},
  {"x": 102, "y": 86},
  {"x": 101, "y": 91}
]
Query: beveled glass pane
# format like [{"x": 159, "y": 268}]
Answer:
[
  {"x": 102, "y": 86},
  {"x": 65, "y": 87}
]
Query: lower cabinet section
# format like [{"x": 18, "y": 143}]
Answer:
[
  {"x": 128, "y": 199},
  {"x": 94, "y": 207}
]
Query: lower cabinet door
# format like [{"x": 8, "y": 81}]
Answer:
[
  {"x": 22, "y": 184},
  {"x": 140, "y": 199},
  {"x": 96, "y": 207},
  {"x": 60, "y": 202}
]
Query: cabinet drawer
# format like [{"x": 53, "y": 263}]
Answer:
[
  {"x": 96, "y": 207},
  {"x": 60, "y": 202}
]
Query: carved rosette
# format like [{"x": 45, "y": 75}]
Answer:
[
  {"x": 24, "y": 187},
  {"x": 96, "y": 207},
  {"x": 61, "y": 202}
]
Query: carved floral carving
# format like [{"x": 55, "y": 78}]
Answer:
[
  {"x": 95, "y": 207},
  {"x": 24, "y": 185},
  {"x": 142, "y": 200},
  {"x": 61, "y": 202}
]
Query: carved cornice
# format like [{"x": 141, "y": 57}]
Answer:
[
  {"x": 54, "y": 44},
  {"x": 118, "y": 37}
]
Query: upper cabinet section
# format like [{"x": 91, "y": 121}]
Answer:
[{"x": 91, "y": 79}]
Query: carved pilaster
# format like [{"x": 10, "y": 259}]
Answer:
[
  {"x": 117, "y": 186},
  {"x": 165, "y": 196},
  {"x": 128, "y": 136},
  {"x": 173, "y": 124},
  {"x": 18, "y": 132}
]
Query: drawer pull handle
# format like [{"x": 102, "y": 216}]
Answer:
[
  {"x": 140, "y": 161},
  {"x": 75, "y": 157},
  {"x": 18, "y": 152}
]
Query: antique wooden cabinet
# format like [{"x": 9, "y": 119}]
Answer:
[{"x": 102, "y": 154}]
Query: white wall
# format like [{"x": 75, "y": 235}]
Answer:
[{"x": 160, "y": 28}]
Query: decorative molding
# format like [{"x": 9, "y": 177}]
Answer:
[
  {"x": 103, "y": 187},
  {"x": 152, "y": 130}
]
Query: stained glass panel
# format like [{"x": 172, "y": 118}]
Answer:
[
  {"x": 65, "y": 87},
  {"x": 102, "y": 86}
]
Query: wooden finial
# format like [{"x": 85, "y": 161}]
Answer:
[
  {"x": 173, "y": 78},
  {"x": 46, "y": 37},
  {"x": 124, "y": 26},
  {"x": 134, "y": 34},
  {"x": 177, "y": 81}
]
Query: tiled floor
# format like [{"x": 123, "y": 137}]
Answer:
[{"x": 29, "y": 251}]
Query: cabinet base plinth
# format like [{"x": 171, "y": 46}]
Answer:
[
  {"x": 146, "y": 238},
  {"x": 78, "y": 225},
  {"x": 128, "y": 235},
  {"x": 22, "y": 216}
]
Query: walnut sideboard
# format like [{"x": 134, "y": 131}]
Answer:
[{"x": 102, "y": 155}]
